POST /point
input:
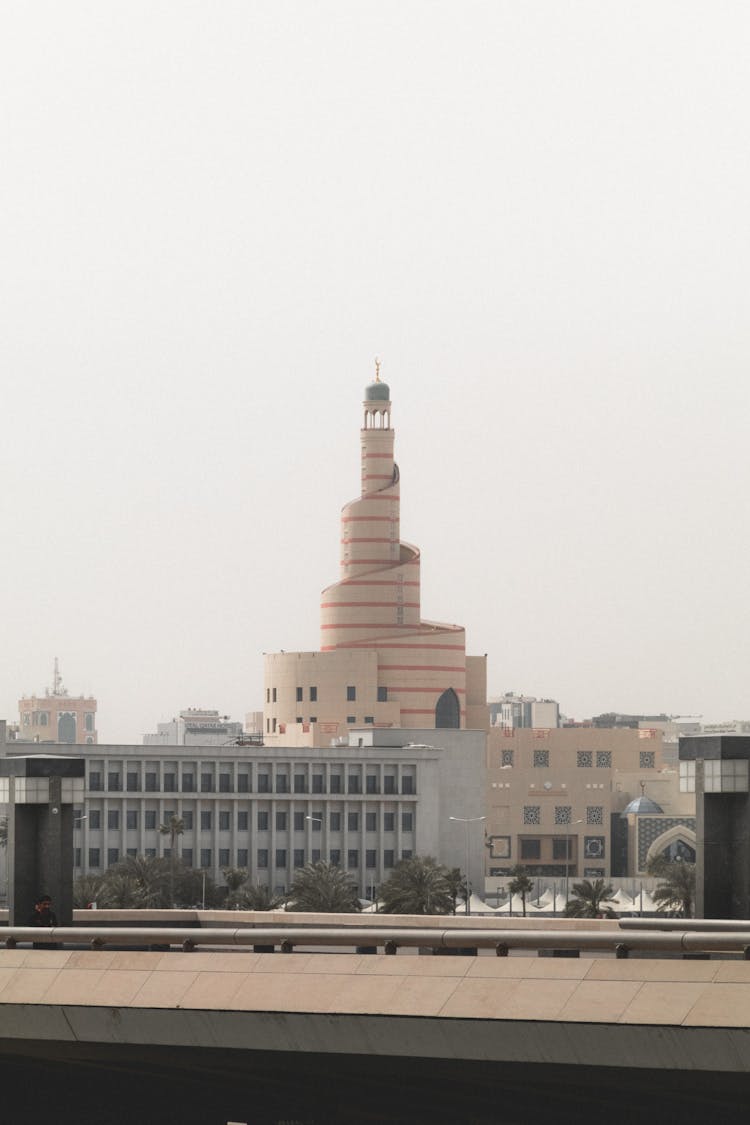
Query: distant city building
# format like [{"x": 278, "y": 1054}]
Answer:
[
  {"x": 195, "y": 727},
  {"x": 522, "y": 711},
  {"x": 57, "y": 716},
  {"x": 733, "y": 726},
  {"x": 612, "y": 719},
  {"x": 380, "y": 663},
  {"x": 254, "y": 723}
]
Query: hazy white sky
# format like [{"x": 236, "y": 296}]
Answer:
[{"x": 213, "y": 217}]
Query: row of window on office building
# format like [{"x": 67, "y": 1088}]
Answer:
[
  {"x": 262, "y": 857},
  {"x": 281, "y": 820},
  {"x": 172, "y": 782}
]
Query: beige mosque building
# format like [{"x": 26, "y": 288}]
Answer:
[
  {"x": 380, "y": 662},
  {"x": 58, "y": 716}
]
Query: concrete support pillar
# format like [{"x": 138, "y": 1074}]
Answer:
[{"x": 40, "y": 792}]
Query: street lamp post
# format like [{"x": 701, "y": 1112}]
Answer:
[
  {"x": 466, "y": 821},
  {"x": 319, "y": 821},
  {"x": 567, "y": 857}
]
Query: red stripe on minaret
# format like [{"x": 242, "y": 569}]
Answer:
[
  {"x": 384, "y": 562},
  {"x": 371, "y": 582},
  {"x": 368, "y": 625},
  {"x": 369, "y": 539},
  {"x": 362, "y": 500},
  {"x": 381, "y": 561},
  {"x": 372, "y": 605},
  {"x": 375, "y": 642},
  {"x": 421, "y": 668}
]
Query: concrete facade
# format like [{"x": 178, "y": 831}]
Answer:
[
  {"x": 555, "y": 799},
  {"x": 380, "y": 663},
  {"x": 384, "y": 796}
]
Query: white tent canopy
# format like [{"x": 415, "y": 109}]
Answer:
[
  {"x": 476, "y": 906},
  {"x": 516, "y": 907},
  {"x": 552, "y": 904}
]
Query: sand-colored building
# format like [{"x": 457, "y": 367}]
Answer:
[
  {"x": 380, "y": 662},
  {"x": 567, "y": 802},
  {"x": 58, "y": 716}
]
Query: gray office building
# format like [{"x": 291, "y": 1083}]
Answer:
[{"x": 381, "y": 796}]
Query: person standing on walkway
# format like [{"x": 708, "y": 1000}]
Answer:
[{"x": 44, "y": 917}]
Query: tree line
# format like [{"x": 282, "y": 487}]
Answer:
[{"x": 419, "y": 885}]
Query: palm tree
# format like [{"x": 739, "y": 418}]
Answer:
[
  {"x": 323, "y": 888},
  {"x": 139, "y": 883},
  {"x": 151, "y": 874},
  {"x": 86, "y": 889},
  {"x": 457, "y": 883},
  {"x": 173, "y": 828},
  {"x": 520, "y": 884},
  {"x": 258, "y": 896},
  {"x": 120, "y": 891},
  {"x": 192, "y": 883},
  {"x": 588, "y": 900},
  {"x": 419, "y": 885},
  {"x": 235, "y": 878},
  {"x": 675, "y": 894}
]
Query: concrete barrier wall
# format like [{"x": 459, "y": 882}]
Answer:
[{"x": 661, "y": 1013}]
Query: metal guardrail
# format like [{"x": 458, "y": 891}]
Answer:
[
  {"x": 692, "y": 925},
  {"x": 679, "y": 940}
]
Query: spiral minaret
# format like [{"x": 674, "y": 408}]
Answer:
[{"x": 376, "y": 603}]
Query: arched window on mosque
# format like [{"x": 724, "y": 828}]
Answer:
[
  {"x": 66, "y": 727},
  {"x": 448, "y": 711},
  {"x": 679, "y": 851}
]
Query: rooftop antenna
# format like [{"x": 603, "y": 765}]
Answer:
[{"x": 57, "y": 686}]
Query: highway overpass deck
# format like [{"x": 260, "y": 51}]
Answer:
[
  {"x": 346, "y": 1037},
  {"x": 599, "y": 1011}
]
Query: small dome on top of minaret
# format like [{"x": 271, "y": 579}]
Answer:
[{"x": 377, "y": 391}]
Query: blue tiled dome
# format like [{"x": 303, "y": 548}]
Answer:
[{"x": 642, "y": 805}]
